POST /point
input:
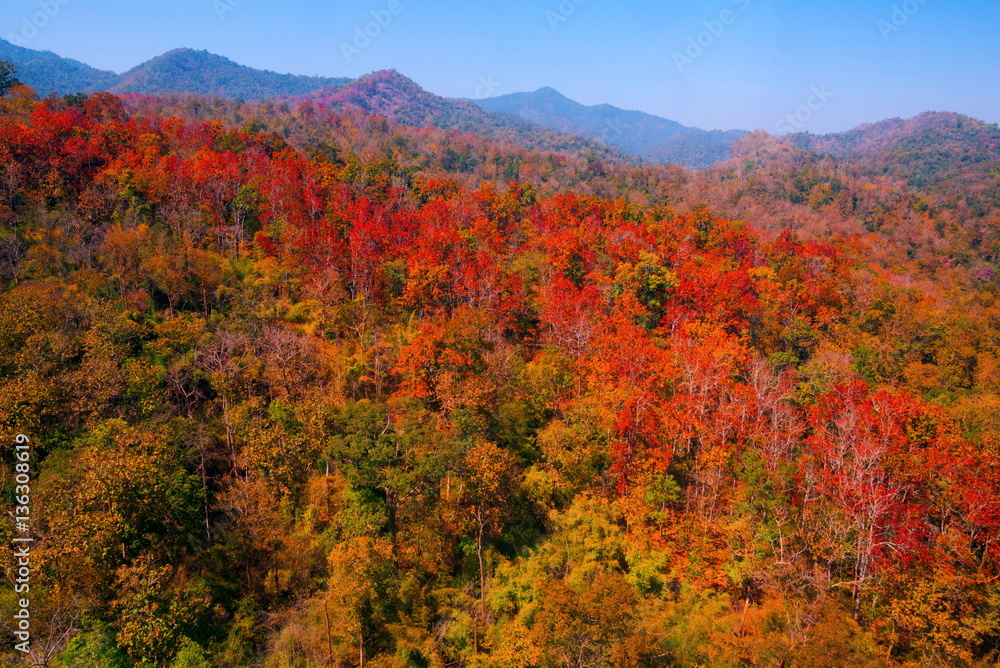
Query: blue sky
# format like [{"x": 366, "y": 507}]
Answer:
[{"x": 719, "y": 64}]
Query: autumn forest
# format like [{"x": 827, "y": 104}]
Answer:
[{"x": 309, "y": 387}]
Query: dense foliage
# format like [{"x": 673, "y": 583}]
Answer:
[{"x": 314, "y": 389}]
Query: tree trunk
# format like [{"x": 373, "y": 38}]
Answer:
[
  {"x": 329, "y": 632},
  {"x": 482, "y": 583}
]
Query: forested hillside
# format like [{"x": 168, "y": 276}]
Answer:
[
  {"x": 50, "y": 73},
  {"x": 310, "y": 388}
]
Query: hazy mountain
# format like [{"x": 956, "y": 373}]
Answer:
[
  {"x": 204, "y": 73},
  {"x": 46, "y": 72},
  {"x": 179, "y": 71},
  {"x": 637, "y": 133}
]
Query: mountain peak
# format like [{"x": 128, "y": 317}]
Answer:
[
  {"x": 181, "y": 51},
  {"x": 183, "y": 57},
  {"x": 549, "y": 91}
]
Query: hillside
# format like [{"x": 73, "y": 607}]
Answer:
[
  {"x": 928, "y": 150},
  {"x": 311, "y": 388},
  {"x": 634, "y": 132},
  {"x": 47, "y": 73}
]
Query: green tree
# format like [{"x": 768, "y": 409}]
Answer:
[
  {"x": 8, "y": 78},
  {"x": 94, "y": 646}
]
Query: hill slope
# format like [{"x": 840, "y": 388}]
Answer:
[
  {"x": 284, "y": 399},
  {"x": 927, "y": 149},
  {"x": 46, "y": 72}
]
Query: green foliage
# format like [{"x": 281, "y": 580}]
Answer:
[
  {"x": 94, "y": 646},
  {"x": 190, "y": 655},
  {"x": 309, "y": 388},
  {"x": 8, "y": 78}
]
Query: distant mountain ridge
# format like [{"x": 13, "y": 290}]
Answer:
[
  {"x": 930, "y": 149},
  {"x": 519, "y": 118},
  {"x": 637, "y": 133},
  {"x": 178, "y": 71},
  {"x": 386, "y": 93}
]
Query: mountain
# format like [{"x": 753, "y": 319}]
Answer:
[
  {"x": 637, "y": 133},
  {"x": 386, "y": 93},
  {"x": 46, "y": 72},
  {"x": 204, "y": 73},
  {"x": 930, "y": 149},
  {"x": 391, "y": 95},
  {"x": 178, "y": 71}
]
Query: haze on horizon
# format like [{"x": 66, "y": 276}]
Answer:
[{"x": 721, "y": 64}]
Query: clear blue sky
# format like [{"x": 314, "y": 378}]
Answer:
[{"x": 762, "y": 62}]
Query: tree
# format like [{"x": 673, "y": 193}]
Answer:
[
  {"x": 360, "y": 597},
  {"x": 8, "y": 79},
  {"x": 492, "y": 487},
  {"x": 592, "y": 627},
  {"x": 155, "y": 613}
]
